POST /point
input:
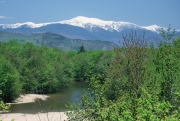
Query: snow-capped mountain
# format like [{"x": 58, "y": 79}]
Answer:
[
  {"x": 85, "y": 28},
  {"x": 90, "y": 23},
  {"x": 154, "y": 28},
  {"x": 28, "y": 24},
  {"x": 87, "y": 23}
]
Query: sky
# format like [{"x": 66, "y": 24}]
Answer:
[{"x": 140, "y": 12}]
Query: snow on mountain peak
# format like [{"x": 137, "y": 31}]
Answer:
[
  {"x": 154, "y": 28},
  {"x": 88, "y": 23},
  {"x": 84, "y": 22},
  {"x": 28, "y": 24},
  {"x": 88, "y": 20}
]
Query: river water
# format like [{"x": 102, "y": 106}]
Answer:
[{"x": 56, "y": 102}]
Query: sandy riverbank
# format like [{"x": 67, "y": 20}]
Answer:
[
  {"x": 50, "y": 116},
  {"x": 27, "y": 98}
]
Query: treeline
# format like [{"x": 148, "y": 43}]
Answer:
[
  {"x": 133, "y": 82},
  {"x": 142, "y": 83},
  {"x": 26, "y": 68}
]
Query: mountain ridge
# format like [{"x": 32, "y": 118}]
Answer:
[
  {"x": 87, "y": 29},
  {"x": 84, "y": 22},
  {"x": 57, "y": 41}
]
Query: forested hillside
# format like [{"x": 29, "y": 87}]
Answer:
[{"x": 57, "y": 41}]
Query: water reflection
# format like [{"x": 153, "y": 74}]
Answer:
[{"x": 56, "y": 101}]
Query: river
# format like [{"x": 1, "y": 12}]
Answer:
[{"x": 55, "y": 102}]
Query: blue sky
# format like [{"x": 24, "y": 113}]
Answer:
[{"x": 140, "y": 12}]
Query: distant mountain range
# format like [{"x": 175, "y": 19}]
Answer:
[
  {"x": 57, "y": 41},
  {"x": 87, "y": 29}
]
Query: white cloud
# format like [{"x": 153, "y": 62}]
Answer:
[{"x": 2, "y": 17}]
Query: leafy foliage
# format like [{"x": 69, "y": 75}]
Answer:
[
  {"x": 134, "y": 82},
  {"x": 26, "y": 68},
  {"x": 141, "y": 83},
  {"x": 3, "y": 107},
  {"x": 10, "y": 83},
  {"x": 167, "y": 67}
]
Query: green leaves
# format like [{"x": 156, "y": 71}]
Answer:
[
  {"x": 141, "y": 84},
  {"x": 166, "y": 62},
  {"x": 3, "y": 107},
  {"x": 26, "y": 68},
  {"x": 9, "y": 81}
]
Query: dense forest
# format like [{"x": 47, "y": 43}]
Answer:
[
  {"x": 141, "y": 83},
  {"x": 26, "y": 68},
  {"x": 134, "y": 82}
]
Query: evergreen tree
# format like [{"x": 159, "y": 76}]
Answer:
[{"x": 81, "y": 49}]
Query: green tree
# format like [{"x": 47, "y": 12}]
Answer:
[
  {"x": 167, "y": 68},
  {"x": 37, "y": 69},
  {"x": 129, "y": 66},
  {"x": 9, "y": 78},
  {"x": 81, "y": 49},
  {"x": 132, "y": 85}
]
